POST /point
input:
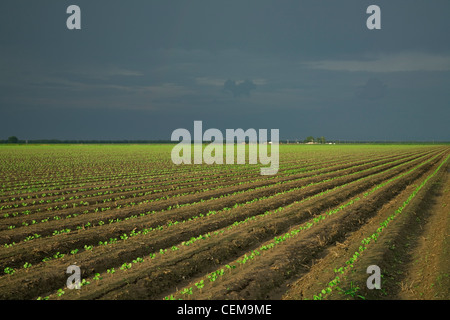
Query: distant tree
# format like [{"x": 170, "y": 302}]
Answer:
[
  {"x": 13, "y": 139},
  {"x": 309, "y": 139},
  {"x": 321, "y": 140}
]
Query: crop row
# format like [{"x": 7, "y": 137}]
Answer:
[
  {"x": 108, "y": 195},
  {"x": 372, "y": 238},
  {"x": 137, "y": 183},
  {"x": 86, "y": 225},
  {"x": 120, "y": 176},
  {"x": 129, "y": 173},
  {"x": 174, "y": 248},
  {"x": 290, "y": 235}
]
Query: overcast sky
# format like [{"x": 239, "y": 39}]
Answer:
[{"x": 141, "y": 69}]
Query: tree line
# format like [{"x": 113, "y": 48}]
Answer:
[{"x": 15, "y": 140}]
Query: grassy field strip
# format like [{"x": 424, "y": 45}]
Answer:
[
  {"x": 372, "y": 238},
  {"x": 251, "y": 255},
  {"x": 128, "y": 265},
  {"x": 100, "y": 223}
]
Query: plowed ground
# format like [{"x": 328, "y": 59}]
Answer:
[{"x": 139, "y": 227}]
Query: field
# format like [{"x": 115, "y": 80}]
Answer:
[{"x": 140, "y": 227}]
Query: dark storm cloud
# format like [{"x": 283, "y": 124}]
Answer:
[
  {"x": 143, "y": 68},
  {"x": 374, "y": 89},
  {"x": 239, "y": 89}
]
